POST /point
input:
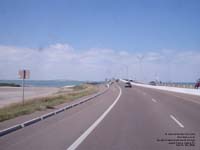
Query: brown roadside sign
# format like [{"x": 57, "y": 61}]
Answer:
[{"x": 24, "y": 74}]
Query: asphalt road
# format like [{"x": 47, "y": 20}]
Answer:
[{"x": 134, "y": 118}]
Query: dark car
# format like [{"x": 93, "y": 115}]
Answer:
[
  {"x": 128, "y": 85},
  {"x": 152, "y": 83},
  {"x": 197, "y": 85}
]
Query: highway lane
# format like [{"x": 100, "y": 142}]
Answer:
[
  {"x": 138, "y": 121},
  {"x": 60, "y": 131},
  {"x": 186, "y": 107}
]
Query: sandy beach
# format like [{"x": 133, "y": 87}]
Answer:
[{"x": 9, "y": 95}]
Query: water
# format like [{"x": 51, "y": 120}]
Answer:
[{"x": 44, "y": 83}]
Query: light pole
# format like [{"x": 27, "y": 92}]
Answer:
[
  {"x": 125, "y": 68},
  {"x": 127, "y": 71},
  {"x": 140, "y": 58}
]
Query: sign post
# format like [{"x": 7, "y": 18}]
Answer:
[{"x": 23, "y": 74}]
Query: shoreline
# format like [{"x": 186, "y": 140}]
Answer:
[
  {"x": 10, "y": 95},
  {"x": 43, "y": 83},
  {"x": 60, "y": 97}
]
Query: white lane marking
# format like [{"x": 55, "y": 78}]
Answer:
[
  {"x": 94, "y": 125},
  {"x": 178, "y": 122},
  {"x": 154, "y": 100}
]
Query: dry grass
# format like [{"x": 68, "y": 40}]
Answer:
[{"x": 38, "y": 104}]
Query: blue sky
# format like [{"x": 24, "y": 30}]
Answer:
[
  {"x": 139, "y": 27},
  {"x": 130, "y": 25}
]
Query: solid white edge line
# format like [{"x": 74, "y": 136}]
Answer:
[
  {"x": 178, "y": 122},
  {"x": 154, "y": 100},
  {"x": 94, "y": 125}
]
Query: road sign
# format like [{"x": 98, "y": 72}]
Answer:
[{"x": 24, "y": 74}]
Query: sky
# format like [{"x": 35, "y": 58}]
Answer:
[{"x": 93, "y": 40}]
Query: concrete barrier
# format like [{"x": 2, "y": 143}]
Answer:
[
  {"x": 32, "y": 121},
  {"x": 195, "y": 92},
  {"x": 11, "y": 129}
]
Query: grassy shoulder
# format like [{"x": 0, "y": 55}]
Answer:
[{"x": 39, "y": 104}]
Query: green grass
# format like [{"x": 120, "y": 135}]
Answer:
[{"x": 39, "y": 104}]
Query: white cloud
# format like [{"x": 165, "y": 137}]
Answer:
[{"x": 62, "y": 61}]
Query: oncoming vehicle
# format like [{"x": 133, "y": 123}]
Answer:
[
  {"x": 197, "y": 85},
  {"x": 128, "y": 85}
]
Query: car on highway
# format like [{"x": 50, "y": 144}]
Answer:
[
  {"x": 197, "y": 85},
  {"x": 152, "y": 83},
  {"x": 128, "y": 85}
]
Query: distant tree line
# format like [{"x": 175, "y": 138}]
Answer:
[{"x": 10, "y": 84}]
